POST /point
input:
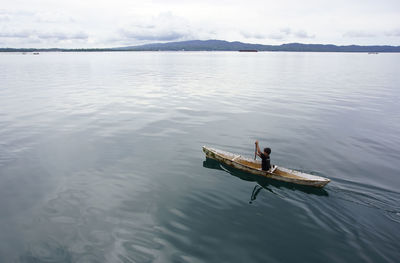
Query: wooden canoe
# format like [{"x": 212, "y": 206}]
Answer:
[{"x": 254, "y": 167}]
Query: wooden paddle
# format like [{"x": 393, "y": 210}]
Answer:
[{"x": 255, "y": 151}]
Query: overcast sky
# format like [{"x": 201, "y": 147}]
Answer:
[{"x": 102, "y": 23}]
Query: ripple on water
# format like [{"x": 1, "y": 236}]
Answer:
[
  {"x": 367, "y": 195},
  {"x": 90, "y": 258},
  {"x": 138, "y": 245},
  {"x": 47, "y": 251}
]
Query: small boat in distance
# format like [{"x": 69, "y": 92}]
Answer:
[
  {"x": 254, "y": 167},
  {"x": 248, "y": 50}
]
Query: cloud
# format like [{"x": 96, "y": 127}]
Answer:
[
  {"x": 276, "y": 36},
  {"x": 58, "y": 36},
  {"x": 283, "y": 33},
  {"x": 111, "y": 23},
  {"x": 63, "y": 36},
  {"x": 21, "y": 28},
  {"x": 16, "y": 34},
  {"x": 303, "y": 34},
  {"x": 53, "y": 17},
  {"x": 358, "y": 34},
  {"x": 4, "y": 18},
  {"x": 163, "y": 27},
  {"x": 286, "y": 30},
  {"x": 393, "y": 33},
  {"x": 161, "y": 36},
  {"x": 253, "y": 35},
  {"x": 15, "y": 12}
]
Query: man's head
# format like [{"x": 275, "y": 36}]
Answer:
[{"x": 267, "y": 151}]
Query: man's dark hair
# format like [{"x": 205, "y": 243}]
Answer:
[{"x": 267, "y": 150}]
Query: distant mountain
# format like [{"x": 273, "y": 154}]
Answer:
[
  {"x": 221, "y": 45},
  {"x": 197, "y": 45}
]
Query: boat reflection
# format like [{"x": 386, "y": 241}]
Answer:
[{"x": 264, "y": 182}]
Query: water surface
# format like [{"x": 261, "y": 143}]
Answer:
[{"x": 101, "y": 161}]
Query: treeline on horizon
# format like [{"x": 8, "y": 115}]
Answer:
[{"x": 219, "y": 45}]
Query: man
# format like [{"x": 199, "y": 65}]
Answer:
[{"x": 265, "y": 160}]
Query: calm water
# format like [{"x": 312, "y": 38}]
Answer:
[{"x": 101, "y": 161}]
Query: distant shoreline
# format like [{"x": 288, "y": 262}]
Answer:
[
  {"x": 222, "y": 45},
  {"x": 179, "y": 51}
]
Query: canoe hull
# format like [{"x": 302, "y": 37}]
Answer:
[{"x": 254, "y": 167}]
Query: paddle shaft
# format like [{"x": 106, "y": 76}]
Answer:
[{"x": 255, "y": 151}]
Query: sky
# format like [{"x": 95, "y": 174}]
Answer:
[{"x": 101, "y": 23}]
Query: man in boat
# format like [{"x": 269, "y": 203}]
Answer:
[{"x": 265, "y": 160}]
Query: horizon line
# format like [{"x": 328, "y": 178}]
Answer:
[{"x": 182, "y": 41}]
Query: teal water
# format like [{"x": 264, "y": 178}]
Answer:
[{"x": 101, "y": 161}]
